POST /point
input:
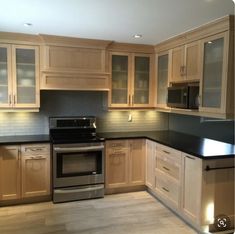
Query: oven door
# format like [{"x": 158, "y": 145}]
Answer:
[{"x": 78, "y": 164}]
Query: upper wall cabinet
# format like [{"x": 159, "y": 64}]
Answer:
[
  {"x": 216, "y": 90},
  {"x": 19, "y": 77},
  {"x": 131, "y": 80},
  {"x": 74, "y": 64},
  {"x": 162, "y": 63},
  {"x": 204, "y": 55},
  {"x": 184, "y": 63}
]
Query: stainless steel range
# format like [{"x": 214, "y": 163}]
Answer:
[{"x": 78, "y": 158}]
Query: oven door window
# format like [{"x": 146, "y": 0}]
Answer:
[{"x": 79, "y": 164}]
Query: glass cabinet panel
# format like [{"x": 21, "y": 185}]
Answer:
[
  {"x": 3, "y": 76},
  {"x": 119, "y": 79},
  {"x": 162, "y": 79},
  {"x": 212, "y": 73},
  {"x": 141, "y": 80},
  {"x": 25, "y": 76}
]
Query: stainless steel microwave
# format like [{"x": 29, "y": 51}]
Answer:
[{"x": 183, "y": 96}]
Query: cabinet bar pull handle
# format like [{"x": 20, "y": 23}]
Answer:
[
  {"x": 166, "y": 168},
  {"x": 208, "y": 168},
  {"x": 129, "y": 100},
  {"x": 190, "y": 157},
  {"x": 14, "y": 99},
  {"x": 165, "y": 189},
  {"x": 132, "y": 98},
  {"x": 167, "y": 152}
]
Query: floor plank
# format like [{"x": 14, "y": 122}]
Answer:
[{"x": 135, "y": 213}]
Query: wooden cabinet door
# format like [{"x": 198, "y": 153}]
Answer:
[
  {"x": 5, "y": 76},
  {"x": 25, "y": 69},
  {"x": 177, "y": 62},
  {"x": 213, "y": 88},
  {"x": 162, "y": 78},
  {"x": 120, "y": 66},
  {"x": 150, "y": 163},
  {"x": 35, "y": 169},
  {"x": 137, "y": 162},
  {"x": 9, "y": 172},
  {"x": 192, "y": 59},
  {"x": 142, "y": 80},
  {"x": 192, "y": 179},
  {"x": 117, "y": 156}
]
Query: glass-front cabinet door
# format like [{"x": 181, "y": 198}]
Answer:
[
  {"x": 142, "y": 81},
  {"x": 162, "y": 79},
  {"x": 120, "y": 67},
  {"x": 26, "y": 78},
  {"x": 5, "y": 76},
  {"x": 214, "y": 74},
  {"x": 131, "y": 83}
]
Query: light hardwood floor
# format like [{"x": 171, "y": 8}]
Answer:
[{"x": 132, "y": 213}]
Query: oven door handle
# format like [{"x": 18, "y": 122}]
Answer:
[
  {"x": 77, "y": 149},
  {"x": 79, "y": 189}
]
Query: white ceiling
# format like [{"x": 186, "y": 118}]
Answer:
[{"x": 116, "y": 20}]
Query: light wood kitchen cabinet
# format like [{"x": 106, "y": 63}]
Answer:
[
  {"x": 192, "y": 181},
  {"x": 35, "y": 169},
  {"x": 185, "y": 62},
  {"x": 137, "y": 162},
  {"x": 73, "y": 64},
  {"x": 168, "y": 178},
  {"x": 162, "y": 79},
  {"x": 19, "y": 77},
  {"x": 117, "y": 164},
  {"x": 24, "y": 171},
  {"x": 216, "y": 90},
  {"x": 125, "y": 163},
  {"x": 211, "y": 194},
  {"x": 150, "y": 163},
  {"x": 131, "y": 80},
  {"x": 10, "y": 172}
]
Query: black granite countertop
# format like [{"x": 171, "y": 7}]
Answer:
[
  {"x": 201, "y": 147},
  {"x": 24, "y": 139}
]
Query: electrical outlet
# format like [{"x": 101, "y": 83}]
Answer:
[{"x": 129, "y": 118}]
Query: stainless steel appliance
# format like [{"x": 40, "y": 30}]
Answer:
[
  {"x": 78, "y": 158},
  {"x": 183, "y": 96}
]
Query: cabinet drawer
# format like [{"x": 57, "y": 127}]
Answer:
[
  {"x": 168, "y": 166},
  {"x": 167, "y": 186},
  {"x": 169, "y": 154},
  {"x": 35, "y": 149},
  {"x": 116, "y": 145}
]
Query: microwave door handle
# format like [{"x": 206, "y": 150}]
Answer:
[{"x": 77, "y": 149}]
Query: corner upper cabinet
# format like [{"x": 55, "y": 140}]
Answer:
[
  {"x": 217, "y": 75},
  {"x": 185, "y": 62},
  {"x": 131, "y": 80},
  {"x": 19, "y": 77},
  {"x": 162, "y": 78},
  {"x": 73, "y": 64}
]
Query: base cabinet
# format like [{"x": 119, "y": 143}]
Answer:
[
  {"x": 198, "y": 190},
  {"x": 9, "y": 172},
  {"x": 125, "y": 163},
  {"x": 35, "y": 169},
  {"x": 150, "y": 163},
  {"x": 24, "y": 171}
]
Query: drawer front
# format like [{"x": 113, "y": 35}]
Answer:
[
  {"x": 35, "y": 149},
  {"x": 115, "y": 146},
  {"x": 168, "y": 166},
  {"x": 171, "y": 155},
  {"x": 167, "y": 186}
]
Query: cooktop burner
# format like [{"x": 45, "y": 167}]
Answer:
[{"x": 79, "y": 129}]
